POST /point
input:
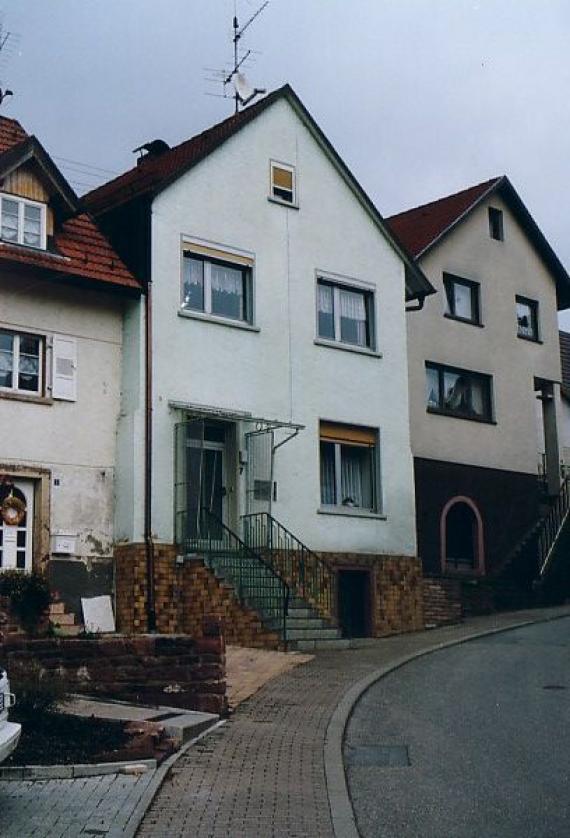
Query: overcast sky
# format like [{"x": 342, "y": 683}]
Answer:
[{"x": 420, "y": 97}]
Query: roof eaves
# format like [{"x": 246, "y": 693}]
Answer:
[
  {"x": 494, "y": 185},
  {"x": 32, "y": 149}
]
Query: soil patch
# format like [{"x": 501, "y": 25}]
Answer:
[{"x": 59, "y": 739}]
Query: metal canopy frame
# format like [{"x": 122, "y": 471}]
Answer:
[{"x": 199, "y": 411}]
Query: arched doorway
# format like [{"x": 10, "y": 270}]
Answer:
[{"x": 462, "y": 537}]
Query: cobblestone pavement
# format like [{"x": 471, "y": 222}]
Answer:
[
  {"x": 94, "y": 806},
  {"x": 262, "y": 775}
]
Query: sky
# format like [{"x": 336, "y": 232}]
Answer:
[{"x": 421, "y": 98}]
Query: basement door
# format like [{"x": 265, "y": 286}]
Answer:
[{"x": 16, "y": 539}]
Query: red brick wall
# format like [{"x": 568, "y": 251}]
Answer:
[{"x": 442, "y": 601}]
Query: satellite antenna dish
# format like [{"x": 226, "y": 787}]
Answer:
[{"x": 244, "y": 92}]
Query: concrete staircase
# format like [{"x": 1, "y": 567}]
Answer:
[{"x": 307, "y": 631}]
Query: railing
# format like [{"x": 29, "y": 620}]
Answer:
[
  {"x": 256, "y": 583},
  {"x": 551, "y": 527},
  {"x": 309, "y": 576}
]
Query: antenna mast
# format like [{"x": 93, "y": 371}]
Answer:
[{"x": 242, "y": 96}]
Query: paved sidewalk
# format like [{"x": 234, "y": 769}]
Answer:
[{"x": 263, "y": 774}]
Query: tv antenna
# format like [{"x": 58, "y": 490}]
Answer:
[
  {"x": 243, "y": 92},
  {"x": 8, "y": 44}
]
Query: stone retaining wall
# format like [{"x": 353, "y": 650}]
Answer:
[
  {"x": 185, "y": 594},
  {"x": 442, "y": 599},
  {"x": 172, "y": 670}
]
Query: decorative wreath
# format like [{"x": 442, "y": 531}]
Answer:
[{"x": 13, "y": 510}]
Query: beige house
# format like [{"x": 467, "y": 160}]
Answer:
[
  {"x": 481, "y": 353},
  {"x": 62, "y": 294}
]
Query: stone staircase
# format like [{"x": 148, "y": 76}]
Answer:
[
  {"x": 307, "y": 631},
  {"x": 62, "y": 621}
]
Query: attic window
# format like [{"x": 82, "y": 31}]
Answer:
[
  {"x": 22, "y": 222},
  {"x": 496, "y": 224},
  {"x": 283, "y": 183}
]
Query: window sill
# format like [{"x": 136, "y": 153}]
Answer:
[
  {"x": 438, "y": 412},
  {"x": 24, "y": 397},
  {"x": 529, "y": 339},
  {"x": 219, "y": 321},
  {"x": 347, "y": 347},
  {"x": 463, "y": 320},
  {"x": 350, "y": 512},
  {"x": 282, "y": 203}
]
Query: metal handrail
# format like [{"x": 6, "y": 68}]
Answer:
[
  {"x": 256, "y": 583},
  {"x": 551, "y": 526},
  {"x": 310, "y": 576}
]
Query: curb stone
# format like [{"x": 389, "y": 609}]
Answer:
[
  {"x": 73, "y": 772},
  {"x": 129, "y": 829},
  {"x": 342, "y": 814}
]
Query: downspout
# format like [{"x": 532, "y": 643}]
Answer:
[
  {"x": 149, "y": 545},
  {"x": 419, "y": 305}
]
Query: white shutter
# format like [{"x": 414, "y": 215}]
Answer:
[{"x": 64, "y": 372}]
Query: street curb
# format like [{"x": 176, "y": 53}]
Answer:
[
  {"x": 342, "y": 814},
  {"x": 73, "y": 772},
  {"x": 129, "y": 829}
]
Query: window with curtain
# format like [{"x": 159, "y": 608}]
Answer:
[
  {"x": 21, "y": 362},
  {"x": 458, "y": 392},
  {"x": 527, "y": 318},
  {"x": 22, "y": 222},
  {"x": 344, "y": 314},
  {"x": 348, "y": 466},
  {"x": 213, "y": 286},
  {"x": 462, "y": 299}
]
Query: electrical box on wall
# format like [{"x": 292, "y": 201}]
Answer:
[{"x": 63, "y": 544}]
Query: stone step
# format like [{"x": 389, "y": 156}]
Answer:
[
  {"x": 63, "y": 619},
  {"x": 305, "y": 613},
  {"x": 69, "y": 630},
  {"x": 56, "y": 608},
  {"x": 319, "y": 645},
  {"x": 307, "y": 623},
  {"x": 313, "y": 634}
]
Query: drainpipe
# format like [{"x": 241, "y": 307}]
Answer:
[
  {"x": 419, "y": 305},
  {"x": 149, "y": 545}
]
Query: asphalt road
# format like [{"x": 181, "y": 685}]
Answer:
[{"x": 485, "y": 727}]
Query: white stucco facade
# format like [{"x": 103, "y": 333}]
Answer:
[
  {"x": 503, "y": 270},
  {"x": 69, "y": 444},
  {"x": 275, "y": 369}
]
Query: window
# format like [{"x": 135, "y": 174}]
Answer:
[
  {"x": 458, "y": 392},
  {"x": 527, "y": 318},
  {"x": 349, "y": 466},
  {"x": 217, "y": 283},
  {"x": 282, "y": 186},
  {"x": 344, "y": 314},
  {"x": 22, "y": 222},
  {"x": 461, "y": 299},
  {"x": 496, "y": 224},
  {"x": 20, "y": 363}
]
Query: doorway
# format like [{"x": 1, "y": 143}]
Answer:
[
  {"x": 16, "y": 537},
  {"x": 354, "y": 602}
]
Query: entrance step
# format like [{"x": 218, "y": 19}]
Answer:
[
  {"x": 62, "y": 621},
  {"x": 337, "y": 644}
]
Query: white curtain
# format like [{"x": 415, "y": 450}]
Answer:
[
  {"x": 227, "y": 279},
  {"x": 353, "y": 307},
  {"x": 325, "y": 299},
  {"x": 327, "y": 474}
]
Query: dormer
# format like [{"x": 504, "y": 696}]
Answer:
[{"x": 34, "y": 198}]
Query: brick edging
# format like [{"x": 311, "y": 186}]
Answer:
[
  {"x": 340, "y": 804},
  {"x": 74, "y": 772}
]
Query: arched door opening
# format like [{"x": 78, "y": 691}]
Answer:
[{"x": 461, "y": 536}]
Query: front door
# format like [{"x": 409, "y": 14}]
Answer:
[{"x": 16, "y": 532}]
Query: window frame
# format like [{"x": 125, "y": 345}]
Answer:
[
  {"x": 375, "y": 471},
  {"x": 22, "y": 203},
  {"x": 533, "y": 307},
  {"x": 441, "y": 410},
  {"x": 238, "y": 263},
  {"x": 449, "y": 281},
  {"x": 339, "y": 284},
  {"x": 496, "y": 224},
  {"x": 286, "y": 167},
  {"x": 14, "y": 389}
]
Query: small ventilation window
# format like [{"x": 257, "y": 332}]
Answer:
[
  {"x": 283, "y": 183},
  {"x": 496, "y": 224}
]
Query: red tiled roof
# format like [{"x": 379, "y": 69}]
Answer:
[
  {"x": 81, "y": 250},
  {"x": 419, "y": 227},
  {"x": 11, "y": 133},
  {"x": 565, "y": 362},
  {"x": 155, "y": 172}
]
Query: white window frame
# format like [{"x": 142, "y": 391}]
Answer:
[
  {"x": 275, "y": 164},
  {"x": 338, "y": 284},
  {"x": 376, "y": 477},
  {"x": 22, "y": 203},
  {"x": 225, "y": 257},
  {"x": 16, "y": 364}
]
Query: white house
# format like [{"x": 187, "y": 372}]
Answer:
[
  {"x": 62, "y": 293},
  {"x": 277, "y": 350}
]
